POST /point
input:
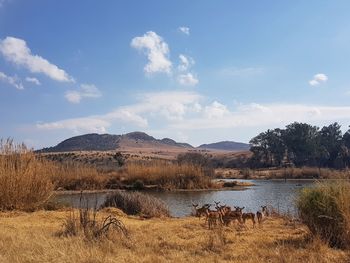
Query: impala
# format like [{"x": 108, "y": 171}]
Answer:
[
  {"x": 262, "y": 214},
  {"x": 202, "y": 211}
]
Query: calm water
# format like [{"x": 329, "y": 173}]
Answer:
[{"x": 277, "y": 193}]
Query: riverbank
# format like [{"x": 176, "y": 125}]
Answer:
[
  {"x": 216, "y": 185},
  {"x": 282, "y": 173},
  {"x": 31, "y": 237}
]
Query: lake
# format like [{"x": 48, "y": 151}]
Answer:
[{"x": 277, "y": 193}]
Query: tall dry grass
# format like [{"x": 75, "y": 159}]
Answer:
[
  {"x": 75, "y": 176},
  {"x": 168, "y": 175},
  {"x": 25, "y": 179},
  {"x": 325, "y": 209}
]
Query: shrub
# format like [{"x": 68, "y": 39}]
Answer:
[
  {"x": 136, "y": 203},
  {"x": 325, "y": 209},
  {"x": 25, "y": 179},
  {"x": 90, "y": 227}
]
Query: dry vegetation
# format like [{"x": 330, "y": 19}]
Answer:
[
  {"x": 25, "y": 180},
  {"x": 282, "y": 173},
  {"x": 136, "y": 203},
  {"x": 325, "y": 209},
  {"x": 168, "y": 175},
  {"x": 30, "y": 237}
]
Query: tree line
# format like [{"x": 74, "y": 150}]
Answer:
[{"x": 301, "y": 144}]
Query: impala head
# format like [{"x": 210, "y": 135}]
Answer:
[
  {"x": 264, "y": 208},
  {"x": 217, "y": 205},
  {"x": 195, "y": 205},
  {"x": 239, "y": 209}
]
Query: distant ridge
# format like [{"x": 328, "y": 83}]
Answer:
[
  {"x": 108, "y": 142},
  {"x": 226, "y": 146}
]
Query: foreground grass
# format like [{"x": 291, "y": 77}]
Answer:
[{"x": 30, "y": 237}]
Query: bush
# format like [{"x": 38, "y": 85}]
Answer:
[
  {"x": 325, "y": 209},
  {"x": 25, "y": 179},
  {"x": 136, "y": 203}
]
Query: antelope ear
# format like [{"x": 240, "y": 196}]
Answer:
[{"x": 243, "y": 207}]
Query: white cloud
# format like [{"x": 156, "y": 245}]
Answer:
[
  {"x": 171, "y": 105},
  {"x": 261, "y": 115},
  {"x": 85, "y": 91},
  {"x": 216, "y": 110},
  {"x": 187, "y": 79},
  {"x": 13, "y": 81},
  {"x": 16, "y": 51},
  {"x": 185, "y": 30},
  {"x": 157, "y": 52},
  {"x": 318, "y": 79},
  {"x": 185, "y": 62},
  {"x": 189, "y": 111},
  {"x": 33, "y": 80}
]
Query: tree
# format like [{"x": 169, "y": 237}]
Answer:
[
  {"x": 331, "y": 139},
  {"x": 301, "y": 141}
]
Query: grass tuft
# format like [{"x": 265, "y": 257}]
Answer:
[{"x": 325, "y": 209}]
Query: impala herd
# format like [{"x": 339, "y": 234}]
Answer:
[{"x": 225, "y": 214}]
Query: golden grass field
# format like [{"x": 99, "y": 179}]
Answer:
[{"x": 32, "y": 237}]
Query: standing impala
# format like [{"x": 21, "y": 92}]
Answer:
[
  {"x": 262, "y": 214},
  {"x": 202, "y": 211}
]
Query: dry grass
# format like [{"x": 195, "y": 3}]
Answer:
[
  {"x": 30, "y": 237},
  {"x": 75, "y": 176},
  {"x": 282, "y": 173},
  {"x": 136, "y": 203},
  {"x": 325, "y": 209},
  {"x": 168, "y": 175},
  {"x": 25, "y": 180}
]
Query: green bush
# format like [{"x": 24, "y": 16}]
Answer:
[{"x": 325, "y": 209}]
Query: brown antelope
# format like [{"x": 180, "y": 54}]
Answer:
[
  {"x": 233, "y": 215},
  {"x": 262, "y": 214},
  {"x": 203, "y": 211},
  {"x": 213, "y": 216},
  {"x": 251, "y": 216}
]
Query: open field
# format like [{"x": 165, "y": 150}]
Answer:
[{"x": 31, "y": 237}]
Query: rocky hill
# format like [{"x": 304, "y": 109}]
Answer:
[{"x": 108, "y": 142}]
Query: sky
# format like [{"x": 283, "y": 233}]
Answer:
[{"x": 196, "y": 71}]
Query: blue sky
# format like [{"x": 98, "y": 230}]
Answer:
[{"x": 194, "y": 71}]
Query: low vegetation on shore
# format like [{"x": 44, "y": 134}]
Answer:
[
  {"x": 136, "y": 203},
  {"x": 283, "y": 173}
]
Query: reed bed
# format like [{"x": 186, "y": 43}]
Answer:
[
  {"x": 168, "y": 175},
  {"x": 74, "y": 176},
  {"x": 25, "y": 179}
]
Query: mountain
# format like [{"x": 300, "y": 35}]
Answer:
[
  {"x": 226, "y": 146},
  {"x": 108, "y": 142}
]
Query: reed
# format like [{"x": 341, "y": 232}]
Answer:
[
  {"x": 25, "y": 179},
  {"x": 168, "y": 175}
]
